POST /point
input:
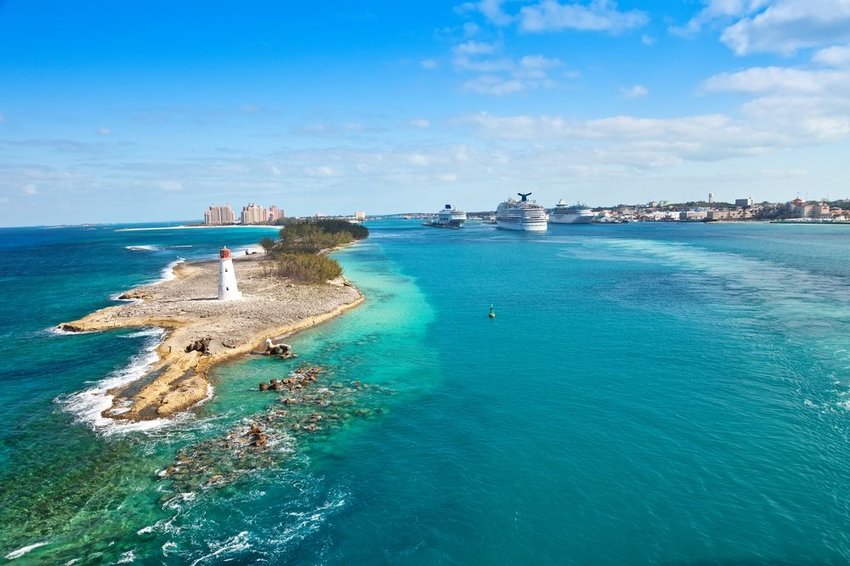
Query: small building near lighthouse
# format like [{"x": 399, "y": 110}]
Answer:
[{"x": 227, "y": 289}]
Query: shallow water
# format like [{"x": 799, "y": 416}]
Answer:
[{"x": 645, "y": 394}]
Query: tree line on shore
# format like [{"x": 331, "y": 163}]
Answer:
[{"x": 298, "y": 253}]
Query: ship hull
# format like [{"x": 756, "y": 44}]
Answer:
[
  {"x": 521, "y": 226},
  {"x": 570, "y": 219}
]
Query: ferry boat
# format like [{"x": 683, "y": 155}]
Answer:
[
  {"x": 448, "y": 218},
  {"x": 571, "y": 214},
  {"x": 522, "y": 214}
]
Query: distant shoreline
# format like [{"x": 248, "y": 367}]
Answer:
[{"x": 199, "y": 227}]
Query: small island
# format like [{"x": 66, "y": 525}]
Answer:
[{"x": 275, "y": 302}]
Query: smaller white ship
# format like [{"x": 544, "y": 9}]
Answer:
[
  {"x": 564, "y": 213},
  {"x": 524, "y": 214},
  {"x": 448, "y": 218}
]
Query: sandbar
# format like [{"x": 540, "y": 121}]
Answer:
[{"x": 187, "y": 308}]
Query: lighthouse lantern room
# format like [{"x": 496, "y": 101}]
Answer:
[{"x": 227, "y": 289}]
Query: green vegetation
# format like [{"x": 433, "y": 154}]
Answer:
[
  {"x": 297, "y": 254},
  {"x": 306, "y": 268}
]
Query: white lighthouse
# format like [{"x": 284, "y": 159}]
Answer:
[{"x": 227, "y": 290}]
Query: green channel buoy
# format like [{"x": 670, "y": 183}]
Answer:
[{"x": 492, "y": 312}]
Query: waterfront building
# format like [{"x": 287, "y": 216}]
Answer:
[
  {"x": 744, "y": 202},
  {"x": 274, "y": 214},
  {"x": 254, "y": 214},
  {"x": 219, "y": 215},
  {"x": 359, "y": 215}
]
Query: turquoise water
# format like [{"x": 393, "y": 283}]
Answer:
[{"x": 673, "y": 393}]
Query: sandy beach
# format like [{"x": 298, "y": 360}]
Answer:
[{"x": 187, "y": 308}]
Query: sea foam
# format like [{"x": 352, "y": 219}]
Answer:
[
  {"x": 145, "y": 248},
  {"x": 24, "y": 550},
  {"x": 88, "y": 405}
]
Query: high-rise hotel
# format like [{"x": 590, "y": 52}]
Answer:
[
  {"x": 219, "y": 215},
  {"x": 251, "y": 214}
]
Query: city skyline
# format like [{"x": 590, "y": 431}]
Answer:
[{"x": 390, "y": 109}]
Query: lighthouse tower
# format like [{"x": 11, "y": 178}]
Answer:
[{"x": 227, "y": 290}]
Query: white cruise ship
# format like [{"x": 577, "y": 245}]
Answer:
[
  {"x": 521, "y": 214},
  {"x": 448, "y": 218},
  {"x": 571, "y": 214}
]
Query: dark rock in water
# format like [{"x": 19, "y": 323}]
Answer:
[{"x": 272, "y": 435}]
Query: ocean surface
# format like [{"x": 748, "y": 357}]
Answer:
[{"x": 647, "y": 394}]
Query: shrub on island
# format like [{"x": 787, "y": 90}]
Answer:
[
  {"x": 306, "y": 268},
  {"x": 297, "y": 252}
]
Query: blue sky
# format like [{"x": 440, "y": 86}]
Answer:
[{"x": 143, "y": 111}]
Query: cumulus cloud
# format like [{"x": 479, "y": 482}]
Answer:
[
  {"x": 632, "y": 140},
  {"x": 810, "y": 104},
  {"x": 491, "y": 10},
  {"x": 636, "y": 91},
  {"x": 498, "y": 75},
  {"x": 788, "y": 25},
  {"x": 599, "y": 15},
  {"x": 836, "y": 56},
  {"x": 420, "y": 123},
  {"x": 780, "y": 79},
  {"x": 429, "y": 64},
  {"x": 717, "y": 10},
  {"x": 169, "y": 185}
]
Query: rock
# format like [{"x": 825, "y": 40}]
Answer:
[{"x": 264, "y": 387}]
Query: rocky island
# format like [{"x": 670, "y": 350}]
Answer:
[{"x": 202, "y": 331}]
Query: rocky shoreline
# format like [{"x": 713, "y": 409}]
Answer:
[{"x": 186, "y": 307}]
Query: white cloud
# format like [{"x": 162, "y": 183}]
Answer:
[
  {"x": 320, "y": 171},
  {"x": 29, "y": 189},
  {"x": 498, "y": 75},
  {"x": 169, "y": 185},
  {"x": 654, "y": 142},
  {"x": 715, "y": 10},
  {"x": 599, "y": 15},
  {"x": 103, "y": 132},
  {"x": 647, "y": 39},
  {"x": 491, "y": 10},
  {"x": 780, "y": 79},
  {"x": 806, "y": 104},
  {"x": 495, "y": 86},
  {"x": 786, "y": 26},
  {"x": 636, "y": 91},
  {"x": 429, "y": 64},
  {"x": 421, "y": 123},
  {"x": 2, "y": 118},
  {"x": 836, "y": 56},
  {"x": 472, "y": 48}
]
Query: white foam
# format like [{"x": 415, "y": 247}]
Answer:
[
  {"x": 168, "y": 271},
  {"x": 233, "y": 544},
  {"x": 24, "y": 550},
  {"x": 89, "y": 404},
  {"x": 145, "y": 333},
  {"x": 144, "y": 248},
  {"x": 57, "y": 331},
  {"x": 117, "y": 297},
  {"x": 127, "y": 557}
]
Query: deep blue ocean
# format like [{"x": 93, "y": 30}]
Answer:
[{"x": 647, "y": 394}]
